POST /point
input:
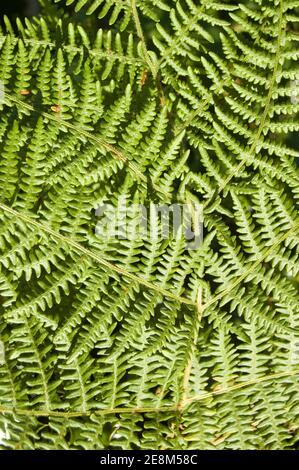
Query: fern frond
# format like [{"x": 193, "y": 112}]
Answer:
[{"x": 128, "y": 338}]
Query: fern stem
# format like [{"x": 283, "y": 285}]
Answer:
[
  {"x": 190, "y": 400},
  {"x": 188, "y": 368},
  {"x": 241, "y": 385},
  {"x": 139, "y": 30}
]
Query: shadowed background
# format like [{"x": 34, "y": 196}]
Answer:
[{"x": 13, "y": 8}]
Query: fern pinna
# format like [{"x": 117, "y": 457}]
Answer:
[{"x": 137, "y": 342}]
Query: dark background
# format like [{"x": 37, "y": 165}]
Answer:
[{"x": 14, "y": 8}]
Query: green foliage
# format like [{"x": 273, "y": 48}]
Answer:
[{"x": 139, "y": 343}]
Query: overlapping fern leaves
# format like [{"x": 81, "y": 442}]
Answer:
[{"x": 140, "y": 343}]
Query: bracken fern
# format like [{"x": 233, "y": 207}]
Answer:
[{"x": 139, "y": 343}]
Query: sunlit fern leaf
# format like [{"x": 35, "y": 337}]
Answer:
[{"x": 136, "y": 341}]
